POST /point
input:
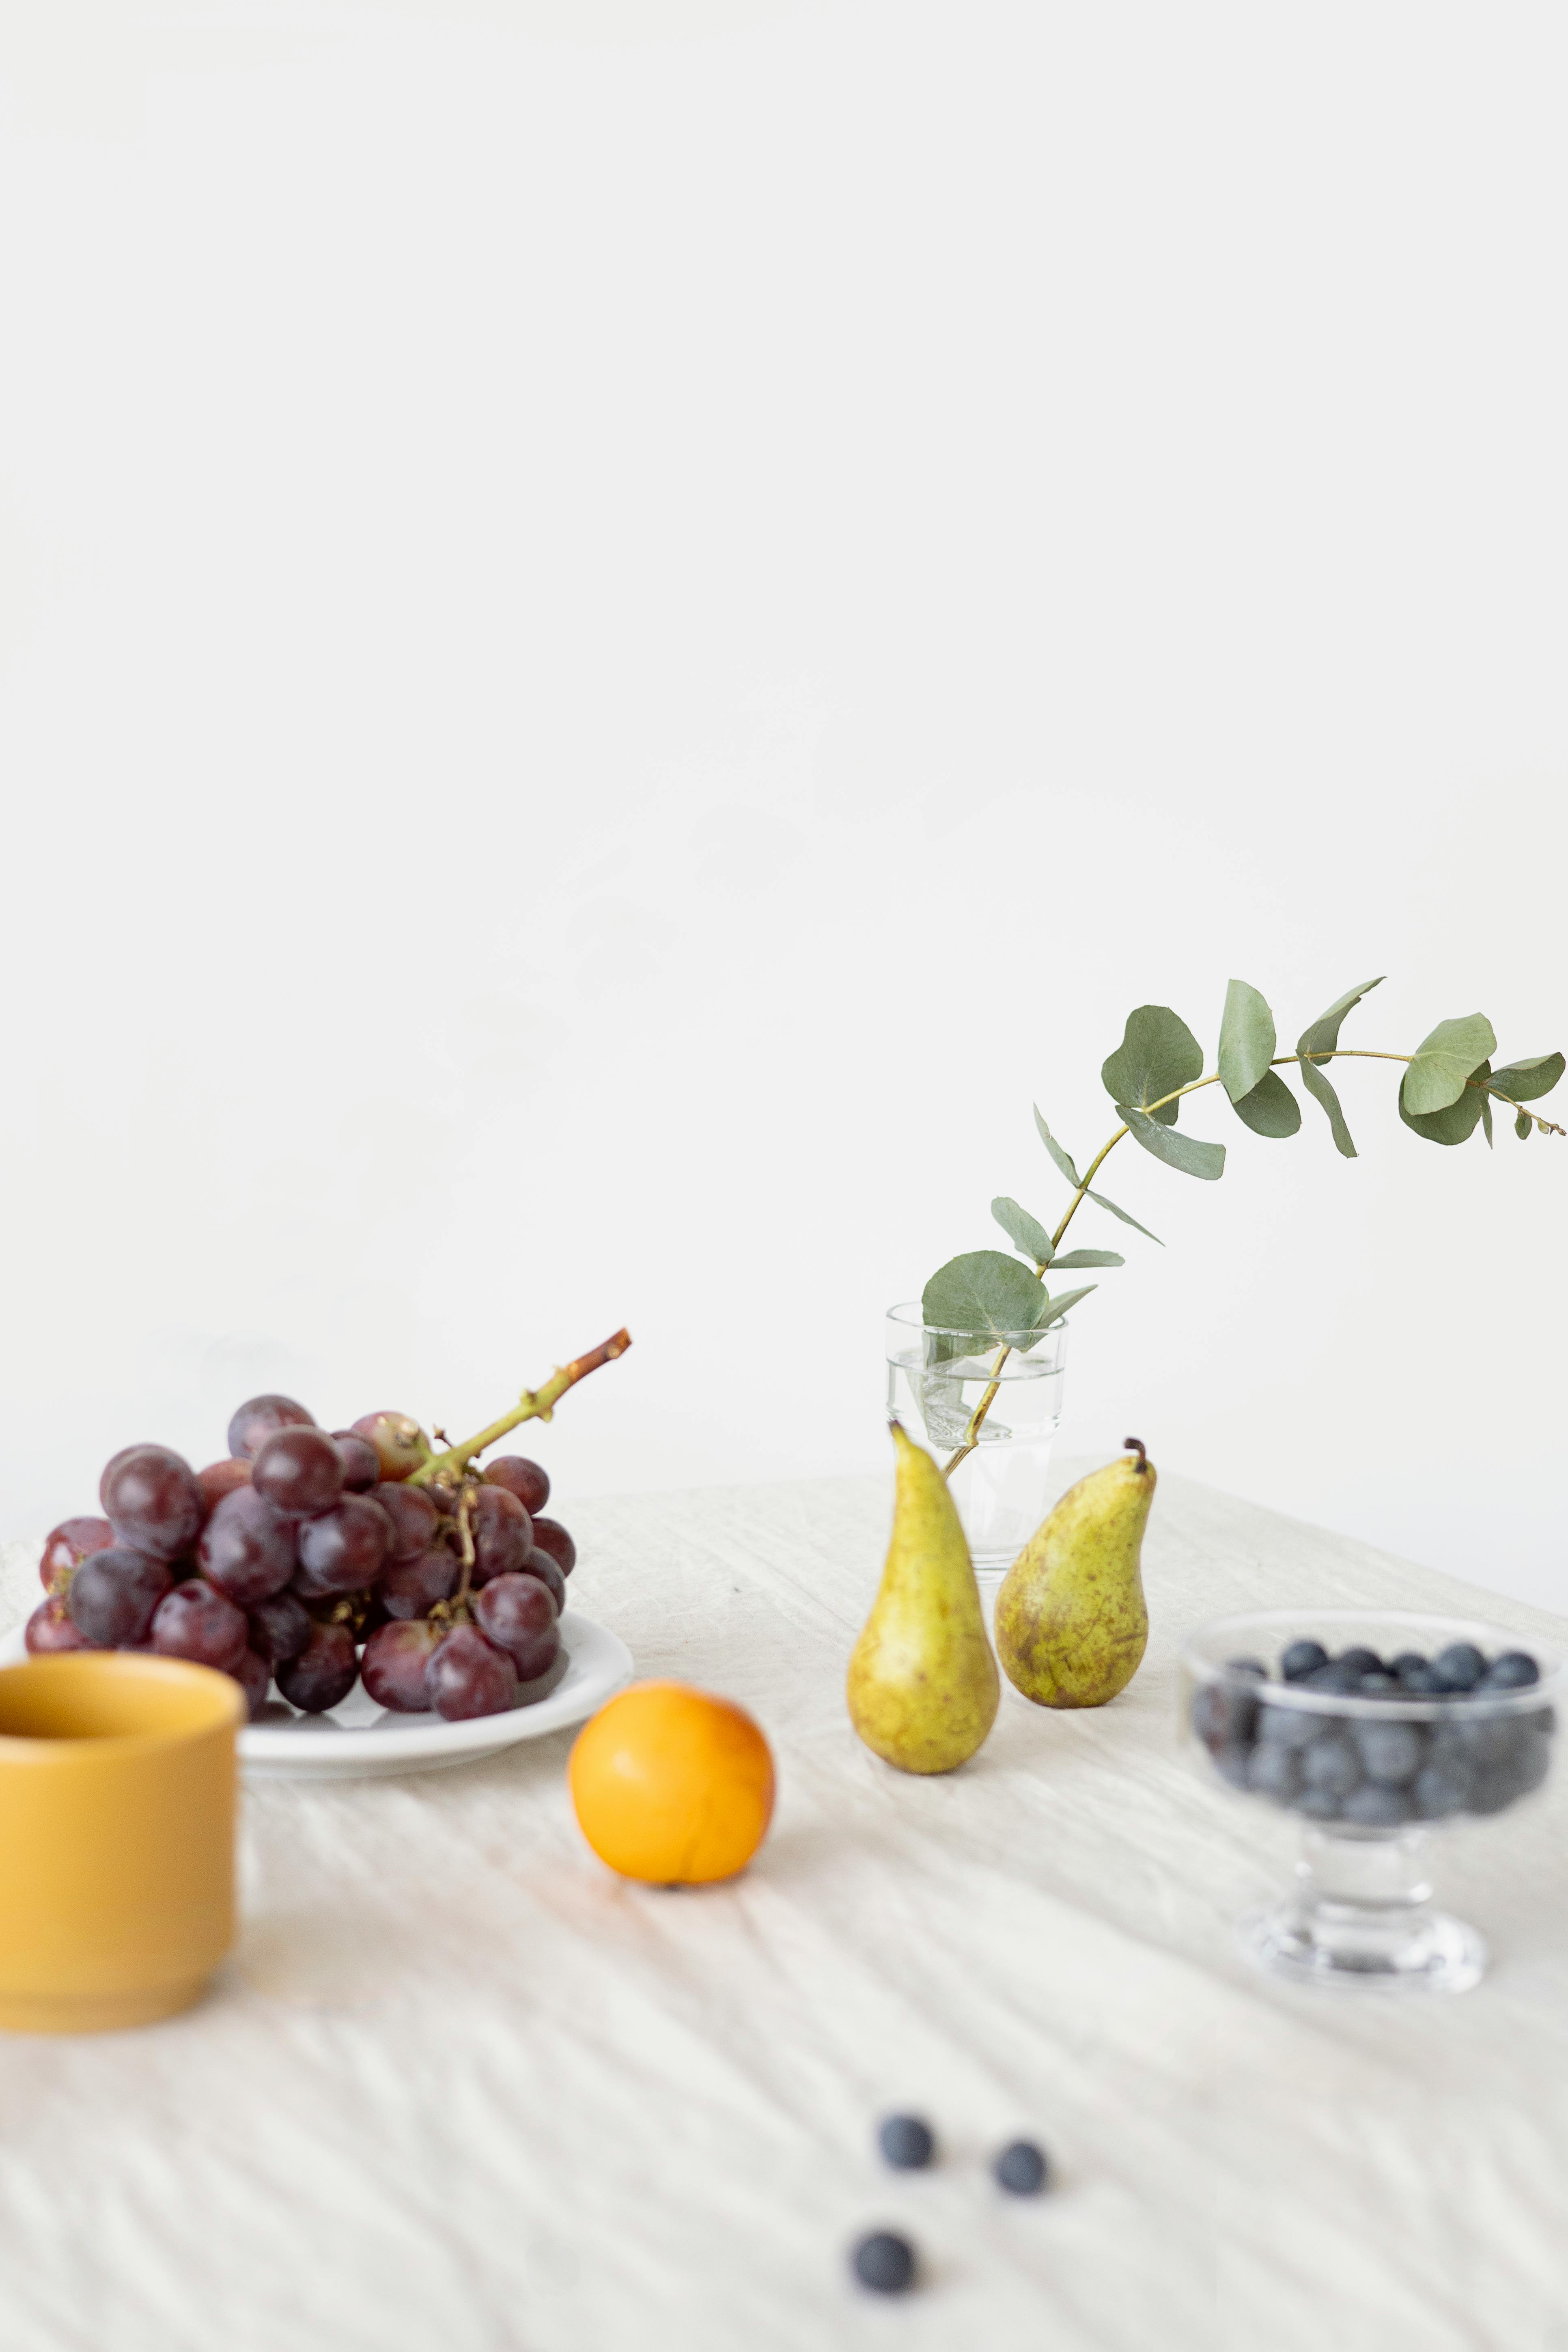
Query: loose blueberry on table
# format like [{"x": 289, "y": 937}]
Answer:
[
  {"x": 906, "y": 2142},
  {"x": 1374, "y": 1771},
  {"x": 307, "y": 1559},
  {"x": 884, "y": 2261}
]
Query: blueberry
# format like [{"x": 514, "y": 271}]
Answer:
[
  {"x": 1461, "y": 1666},
  {"x": 884, "y": 2263},
  {"x": 1440, "y": 1789},
  {"x": 1375, "y": 1806},
  {"x": 1378, "y": 1686},
  {"x": 1405, "y": 1662},
  {"x": 1273, "y": 1771},
  {"x": 1361, "y": 1660},
  {"x": 1418, "y": 1680},
  {"x": 1492, "y": 1740},
  {"x": 1221, "y": 1717},
  {"x": 1391, "y": 1753},
  {"x": 1330, "y": 1764},
  {"x": 1286, "y": 1726},
  {"x": 1021, "y": 2169},
  {"x": 1336, "y": 1677},
  {"x": 906, "y": 2142},
  {"x": 1301, "y": 1658},
  {"x": 1515, "y": 1670},
  {"x": 1318, "y": 1804}
]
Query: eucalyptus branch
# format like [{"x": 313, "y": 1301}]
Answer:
[
  {"x": 1164, "y": 1041},
  {"x": 536, "y": 1405}
]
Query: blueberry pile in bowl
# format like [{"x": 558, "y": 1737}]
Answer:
[{"x": 1410, "y": 1721}]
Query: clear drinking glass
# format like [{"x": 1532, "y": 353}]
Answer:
[
  {"x": 1370, "y": 1772},
  {"x": 935, "y": 1381}
]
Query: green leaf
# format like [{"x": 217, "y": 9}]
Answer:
[
  {"x": 1157, "y": 1054},
  {"x": 1074, "y": 1258},
  {"x": 1101, "y": 1202},
  {"x": 1075, "y": 1180},
  {"x": 1061, "y": 1306},
  {"x": 1527, "y": 1081},
  {"x": 1522, "y": 1125},
  {"x": 986, "y": 1295},
  {"x": 1246, "y": 1042},
  {"x": 1487, "y": 1119},
  {"x": 1183, "y": 1151},
  {"x": 1322, "y": 1038},
  {"x": 1022, "y": 1231},
  {"x": 1058, "y": 1154},
  {"x": 1443, "y": 1062},
  {"x": 1456, "y": 1122},
  {"x": 1270, "y": 1108}
]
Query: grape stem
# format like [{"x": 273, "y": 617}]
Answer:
[{"x": 536, "y": 1405}]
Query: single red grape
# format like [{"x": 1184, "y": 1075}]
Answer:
[
  {"x": 519, "y": 1615},
  {"x": 540, "y": 1564},
  {"x": 521, "y": 1477},
  {"x": 400, "y": 1443},
  {"x": 411, "y": 1588},
  {"x": 279, "y": 1626},
  {"x": 468, "y": 1675},
  {"x": 413, "y": 1514},
  {"x": 254, "y": 1677},
  {"x": 221, "y": 1478},
  {"x": 247, "y": 1548},
  {"x": 254, "y": 1422},
  {"x": 323, "y": 1674},
  {"x": 67, "y": 1545},
  {"x": 298, "y": 1471},
  {"x": 113, "y": 1595},
  {"x": 503, "y": 1533},
  {"x": 152, "y": 1500},
  {"x": 395, "y": 1657},
  {"x": 51, "y": 1626},
  {"x": 344, "y": 1549},
  {"x": 362, "y": 1464},
  {"x": 549, "y": 1535},
  {"x": 195, "y": 1622}
]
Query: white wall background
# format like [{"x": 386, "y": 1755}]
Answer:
[{"x": 623, "y": 628}]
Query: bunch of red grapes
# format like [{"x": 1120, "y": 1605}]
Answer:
[{"x": 307, "y": 1559}]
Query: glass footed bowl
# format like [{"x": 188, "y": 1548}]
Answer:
[{"x": 1369, "y": 1766}]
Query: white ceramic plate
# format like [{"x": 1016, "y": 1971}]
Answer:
[{"x": 360, "y": 1740}]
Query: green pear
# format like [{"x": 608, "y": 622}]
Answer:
[
  {"x": 1071, "y": 1624},
  {"x": 923, "y": 1688}
]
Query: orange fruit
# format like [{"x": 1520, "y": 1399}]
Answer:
[{"x": 672, "y": 1785}]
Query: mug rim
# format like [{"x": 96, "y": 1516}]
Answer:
[{"x": 226, "y": 1708}]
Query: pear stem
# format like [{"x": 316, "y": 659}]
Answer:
[{"x": 1194, "y": 1085}]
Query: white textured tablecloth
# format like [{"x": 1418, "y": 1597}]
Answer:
[{"x": 462, "y": 2090}]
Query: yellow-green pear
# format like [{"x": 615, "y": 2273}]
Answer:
[
  {"x": 1071, "y": 1624},
  {"x": 923, "y": 1688}
]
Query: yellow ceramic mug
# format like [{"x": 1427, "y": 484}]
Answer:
[{"x": 117, "y": 1817}]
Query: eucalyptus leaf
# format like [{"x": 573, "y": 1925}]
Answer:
[
  {"x": 1183, "y": 1151},
  {"x": 1058, "y": 1154},
  {"x": 1487, "y": 1119},
  {"x": 1456, "y": 1122},
  {"x": 1322, "y": 1037},
  {"x": 1023, "y": 1230},
  {"x": 1101, "y": 1202},
  {"x": 1158, "y": 1052},
  {"x": 1061, "y": 1306},
  {"x": 1075, "y": 1180},
  {"x": 1270, "y": 1108},
  {"x": 1246, "y": 1041},
  {"x": 1527, "y": 1081},
  {"x": 1522, "y": 1125},
  {"x": 1442, "y": 1063},
  {"x": 986, "y": 1295},
  {"x": 1074, "y": 1258}
]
